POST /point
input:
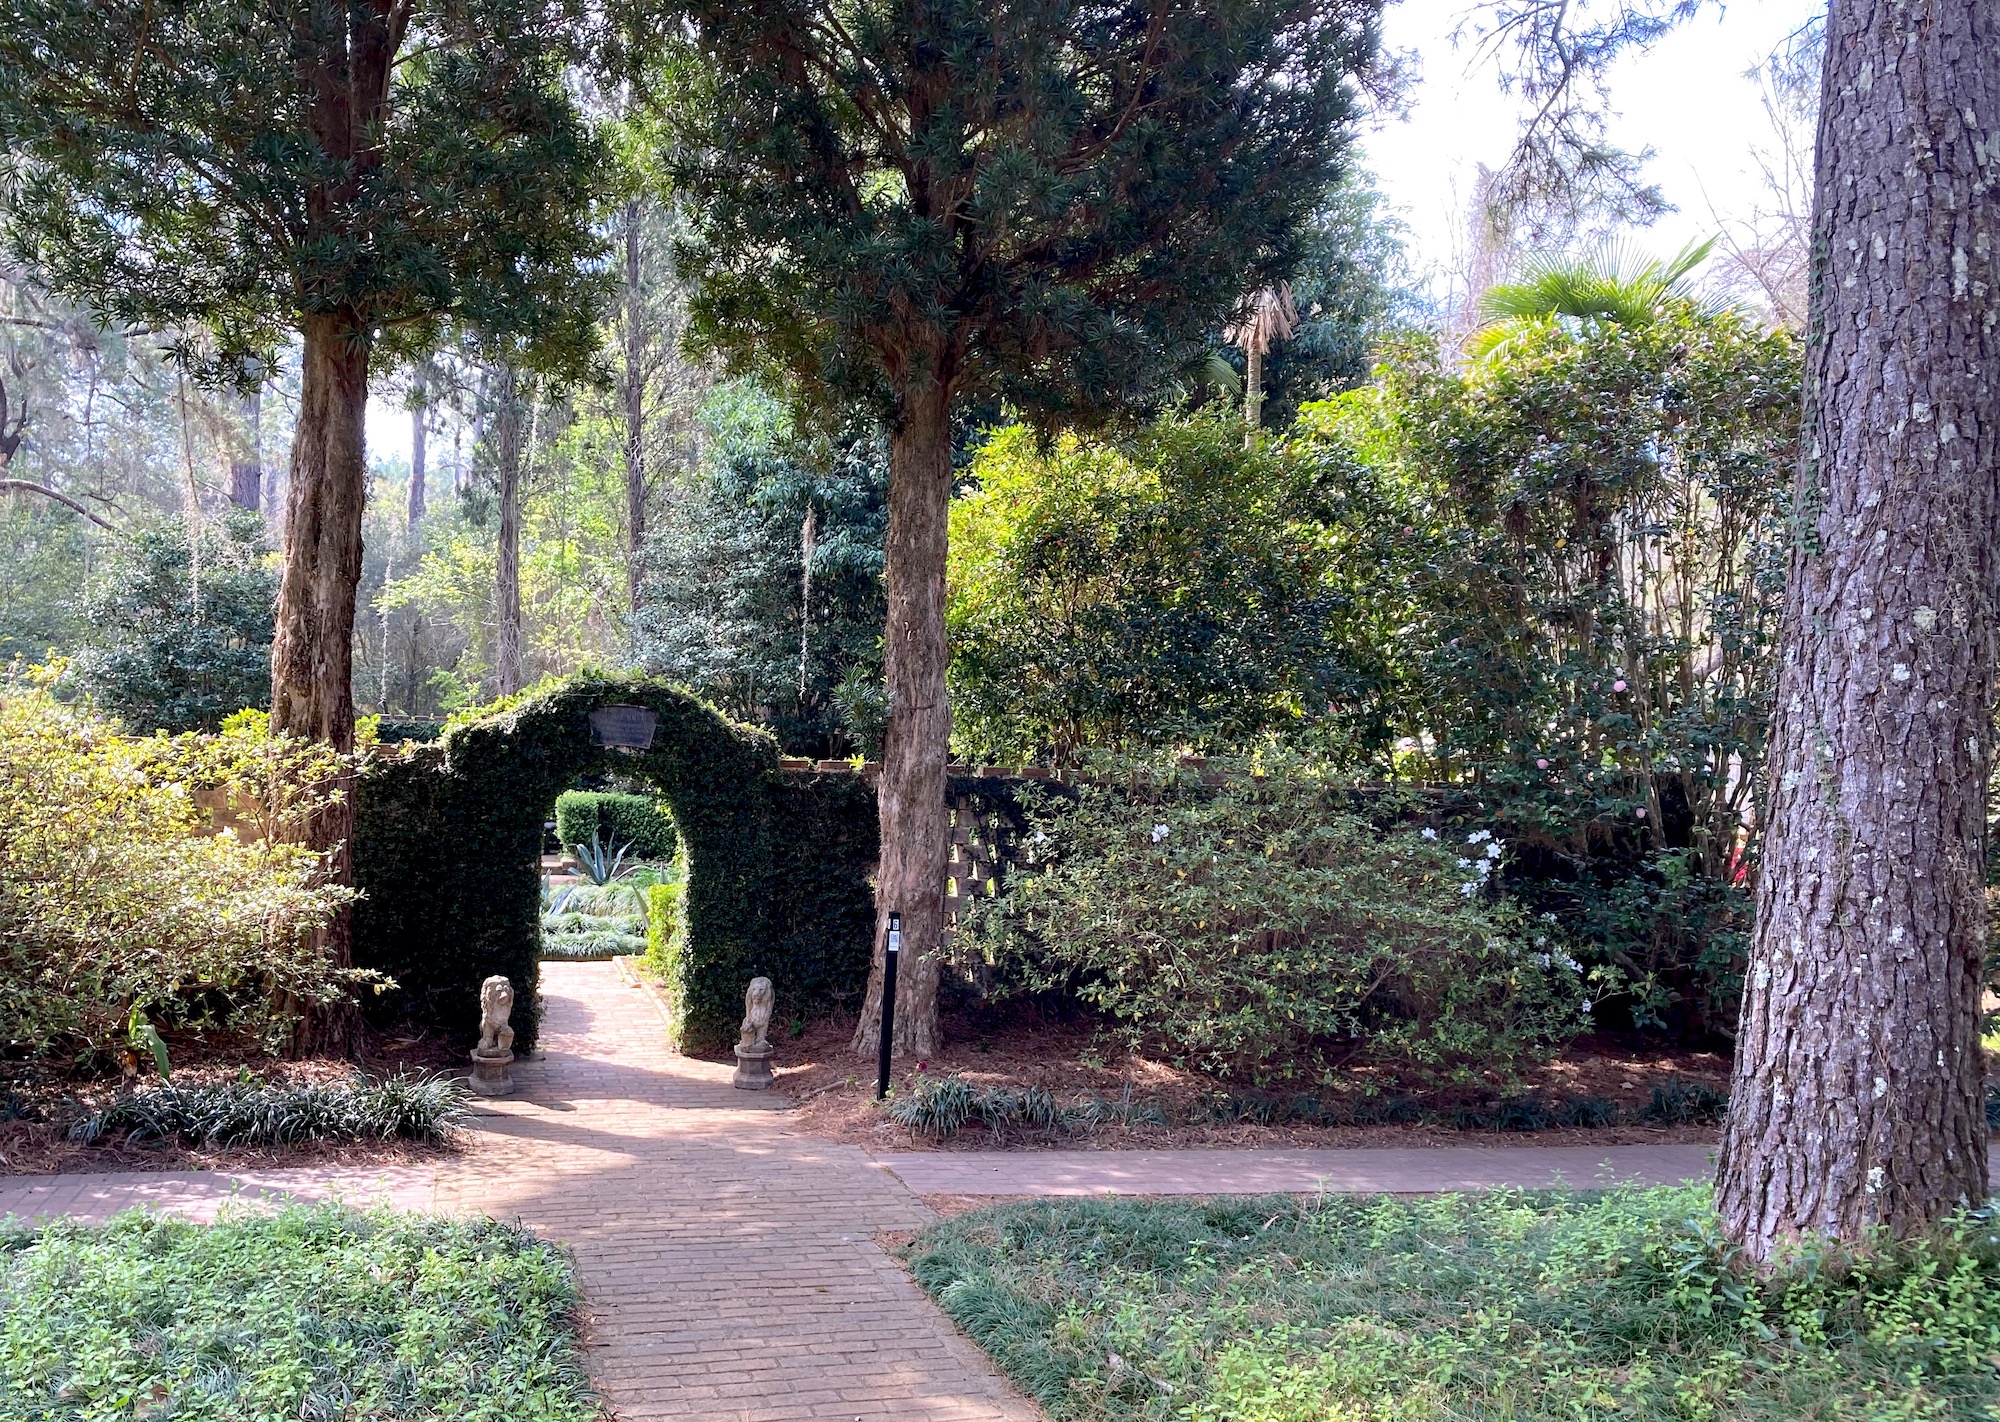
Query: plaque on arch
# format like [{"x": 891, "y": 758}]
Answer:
[{"x": 623, "y": 727}]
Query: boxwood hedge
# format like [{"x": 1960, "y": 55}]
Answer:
[
  {"x": 636, "y": 820},
  {"x": 447, "y": 849}
]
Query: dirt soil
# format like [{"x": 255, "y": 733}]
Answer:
[
  {"x": 36, "y": 1111},
  {"x": 834, "y": 1091}
]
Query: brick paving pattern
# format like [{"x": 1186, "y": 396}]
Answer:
[{"x": 729, "y": 1264}]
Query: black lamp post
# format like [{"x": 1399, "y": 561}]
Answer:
[{"x": 891, "y": 952}]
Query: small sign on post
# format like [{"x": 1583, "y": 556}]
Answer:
[
  {"x": 623, "y": 727},
  {"x": 891, "y": 951}
]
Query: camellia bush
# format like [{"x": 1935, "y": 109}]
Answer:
[
  {"x": 1265, "y": 926},
  {"x": 1576, "y": 545},
  {"x": 123, "y": 911}
]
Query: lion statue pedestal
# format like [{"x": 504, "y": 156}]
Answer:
[
  {"x": 753, "y": 1052},
  {"x": 495, "y": 1052}
]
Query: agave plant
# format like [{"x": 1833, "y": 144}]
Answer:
[{"x": 601, "y": 863}]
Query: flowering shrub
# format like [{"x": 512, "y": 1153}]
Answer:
[
  {"x": 121, "y": 910},
  {"x": 1260, "y": 927}
]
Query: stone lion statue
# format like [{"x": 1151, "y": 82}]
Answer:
[
  {"x": 496, "y": 1005},
  {"x": 757, "y": 1004}
]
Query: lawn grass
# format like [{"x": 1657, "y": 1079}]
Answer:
[
  {"x": 1510, "y": 1305},
  {"x": 317, "y": 1312}
]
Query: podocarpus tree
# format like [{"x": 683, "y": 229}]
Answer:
[
  {"x": 1045, "y": 202},
  {"x": 353, "y": 170},
  {"x": 1857, "y": 1100}
]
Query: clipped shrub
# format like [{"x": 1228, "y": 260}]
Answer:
[
  {"x": 446, "y": 853},
  {"x": 122, "y": 911},
  {"x": 250, "y": 1113},
  {"x": 636, "y": 821},
  {"x": 1256, "y": 926}
]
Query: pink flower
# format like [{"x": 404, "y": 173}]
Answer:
[
  {"x": 1617, "y": 686},
  {"x": 1640, "y": 812},
  {"x": 1541, "y": 765}
]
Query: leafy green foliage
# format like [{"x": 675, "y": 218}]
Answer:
[
  {"x": 664, "y": 928},
  {"x": 42, "y": 562},
  {"x": 197, "y": 171},
  {"x": 162, "y": 659},
  {"x": 1176, "y": 589},
  {"x": 1500, "y": 1305},
  {"x": 119, "y": 910},
  {"x": 252, "y": 1113},
  {"x": 723, "y": 606},
  {"x": 447, "y": 849},
  {"x": 315, "y": 1311},
  {"x": 1259, "y": 925},
  {"x": 632, "y": 820},
  {"x": 1041, "y": 200},
  {"x": 1578, "y": 550}
]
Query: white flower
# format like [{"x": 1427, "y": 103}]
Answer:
[
  {"x": 1586, "y": 1007},
  {"x": 1543, "y": 959},
  {"x": 1477, "y": 835},
  {"x": 1484, "y": 867},
  {"x": 1541, "y": 940},
  {"x": 1428, "y": 833},
  {"x": 1159, "y": 833},
  {"x": 1468, "y": 887},
  {"x": 1465, "y": 863},
  {"x": 1493, "y": 850},
  {"x": 1549, "y": 918}
]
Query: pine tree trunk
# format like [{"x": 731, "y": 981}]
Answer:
[
  {"x": 1857, "y": 1098},
  {"x": 420, "y": 427},
  {"x": 312, "y": 655},
  {"x": 507, "y": 458},
  {"x": 635, "y": 408},
  {"x": 910, "y": 791}
]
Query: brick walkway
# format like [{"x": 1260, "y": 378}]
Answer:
[{"x": 729, "y": 1265}]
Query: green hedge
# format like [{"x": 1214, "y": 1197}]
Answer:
[
  {"x": 447, "y": 850},
  {"x": 636, "y": 820}
]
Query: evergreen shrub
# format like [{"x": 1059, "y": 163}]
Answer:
[
  {"x": 635, "y": 820},
  {"x": 1261, "y": 927},
  {"x": 447, "y": 849}
]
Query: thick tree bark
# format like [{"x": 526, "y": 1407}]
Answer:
[
  {"x": 507, "y": 458},
  {"x": 635, "y": 408},
  {"x": 420, "y": 429},
  {"x": 910, "y": 791},
  {"x": 1857, "y": 1099},
  {"x": 312, "y": 655}
]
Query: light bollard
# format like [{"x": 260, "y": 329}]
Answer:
[{"x": 892, "y": 950}]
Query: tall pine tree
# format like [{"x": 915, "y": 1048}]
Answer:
[
  {"x": 916, "y": 203},
  {"x": 354, "y": 171}
]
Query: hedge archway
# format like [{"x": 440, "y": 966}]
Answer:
[{"x": 448, "y": 845}]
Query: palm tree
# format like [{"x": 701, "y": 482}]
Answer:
[
  {"x": 1272, "y": 318},
  {"x": 1611, "y": 285}
]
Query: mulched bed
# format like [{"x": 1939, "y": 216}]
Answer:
[
  {"x": 37, "y": 1108},
  {"x": 835, "y": 1091}
]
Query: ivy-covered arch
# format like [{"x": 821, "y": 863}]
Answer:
[{"x": 448, "y": 842}]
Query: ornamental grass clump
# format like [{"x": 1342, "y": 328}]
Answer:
[
  {"x": 1261, "y": 927},
  {"x": 252, "y": 1113},
  {"x": 122, "y": 909}
]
